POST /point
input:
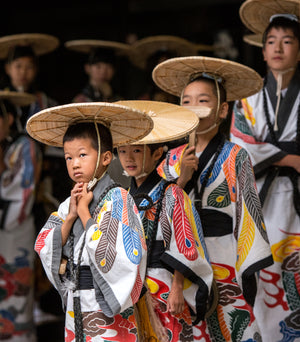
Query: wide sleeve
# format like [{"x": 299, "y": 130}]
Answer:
[
  {"x": 185, "y": 249},
  {"x": 18, "y": 182},
  {"x": 248, "y": 129},
  {"x": 116, "y": 247},
  {"x": 169, "y": 168},
  {"x": 253, "y": 251}
]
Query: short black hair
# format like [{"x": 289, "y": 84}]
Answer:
[
  {"x": 104, "y": 55},
  {"x": 87, "y": 130},
  {"x": 284, "y": 23},
  {"x": 19, "y": 51}
]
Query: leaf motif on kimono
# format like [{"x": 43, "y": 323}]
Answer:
[
  {"x": 246, "y": 239},
  {"x": 136, "y": 291},
  {"x": 252, "y": 201},
  {"x": 239, "y": 320},
  {"x": 219, "y": 197},
  {"x": 240, "y": 123},
  {"x": 165, "y": 224},
  {"x": 182, "y": 230},
  {"x": 229, "y": 169},
  {"x": 132, "y": 244},
  {"x": 105, "y": 252}
]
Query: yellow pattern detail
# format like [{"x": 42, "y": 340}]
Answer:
[
  {"x": 248, "y": 111},
  {"x": 135, "y": 252},
  {"x": 152, "y": 285},
  {"x": 220, "y": 272},
  {"x": 220, "y": 199},
  {"x": 71, "y": 313},
  {"x": 286, "y": 247},
  {"x": 103, "y": 262},
  {"x": 97, "y": 235},
  {"x": 246, "y": 238}
]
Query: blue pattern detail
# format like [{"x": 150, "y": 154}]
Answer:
[
  {"x": 131, "y": 240},
  {"x": 289, "y": 334},
  {"x": 28, "y": 175}
]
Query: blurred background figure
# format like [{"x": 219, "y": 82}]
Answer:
[
  {"x": 20, "y": 168},
  {"x": 100, "y": 67}
]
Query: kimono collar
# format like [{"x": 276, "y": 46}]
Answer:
[
  {"x": 287, "y": 103},
  {"x": 149, "y": 183}
]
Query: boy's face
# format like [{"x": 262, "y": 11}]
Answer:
[
  {"x": 281, "y": 50},
  {"x": 22, "y": 72},
  {"x": 81, "y": 160},
  {"x": 201, "y": 93},
  {"x": 100, "y": 72},
  {"x": 132, "y": 159}
]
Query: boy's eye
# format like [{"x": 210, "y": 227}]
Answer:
[
  {"x": 68, "y": 158},
  {"x": 185, "y": 102},
  {"x": 82, "y": 154}
]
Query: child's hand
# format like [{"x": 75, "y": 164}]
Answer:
[
  {"x": 175, "y": 301},
  {"x": 84, "y": 200},
  {"x": 189, "y": 164},
  {"x": 75, "y": 194}
]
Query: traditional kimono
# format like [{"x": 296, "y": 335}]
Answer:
[
  {"x": 278, "y": 300},
  {"x": 175, "y": 243},
  {"x": 234, "y": 234},
  {"x": 17, "y": 233},
  {"x": 106, "y": 265}
]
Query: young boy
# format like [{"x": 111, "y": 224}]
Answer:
[
  {"x": 267, "y": 125},
  {"x": 179, "y": 275},
  {"x": 219, "y": 178},
  {"x": 93, "y": 248}
]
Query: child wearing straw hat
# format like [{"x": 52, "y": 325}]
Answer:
[
  {"x": 93, "y": 248},
  {"x": 267, "y": 124},
  {"x": 218, "y": 176},
  {"x": 20, "y": 166},
  {"x": 179, "y": 276}
]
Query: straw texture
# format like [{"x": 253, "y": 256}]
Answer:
[
  {"x": 126, "y": 124},
  {"x": 239, "y": 80},
  {"x": 17, "y": 98},
  {"x": 87, "y": 45},
  {"x": 171, "y": 121},
  {"x": 253, "y": 39},
  {"x": 40, "y": 43},
  {"x": 142, "y": 49},
  {"x": 255, "y": 14}
]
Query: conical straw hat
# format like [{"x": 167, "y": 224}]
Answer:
[
  {"x": 17, "y": 98},
  {"x": 253, "y": 39},
  {"x": 39, "y": 42},
  {"x": 171, "y": 122},
  {"x": 126, "y": 124},
  {"x": 239, "y": 80},
  {"x": 256, "y": 14},
  {"x": 87, "y": 45},
  {"x": 142, "y": 49}
]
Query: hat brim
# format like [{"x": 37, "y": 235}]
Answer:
[
  {"x": 256, "y": 14},
  {"x": 40, "y": 43},
  {"x": 142, "y": 49},
  {"x": 17, "y": 98},
  {"x": 87, "y": 45},
  {"x": 171, "y": 122},
  {"x": 126, "y": 124},
  {"x": 174, "y": 74},
  {"x": 253, "y": 39}
]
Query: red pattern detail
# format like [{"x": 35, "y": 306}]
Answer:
[
  {"x": 238, "y": 134},
  {"x": 297, "y": 282},
  {"x": 136, "y": 291},
  {"x": 40, "y": 242},
  {"x": 200, "y": 332},
  {"x": 69, "y": 335},
  {"x": 182, "y": 227},
  {"x": 122, "y": 326},
  {"x": 124, "y": 195},
  {"x": 274, "y": 278}
]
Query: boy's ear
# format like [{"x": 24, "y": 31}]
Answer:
[
  {"x": 158, "y": 153},
  {"x": 223, "y": 110},
  {"x": 107, "y": 158}
]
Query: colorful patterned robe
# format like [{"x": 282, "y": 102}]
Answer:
[
  {"x": 278, "y": 304},
  {"x": 17, "y": 233},
  {"x": 115, "y": 251},
  {"x": 179, "y": 245},
  {"x": 236, "y": 241}
]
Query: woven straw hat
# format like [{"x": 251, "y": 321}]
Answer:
[
  {"x": 254, "y": 39},
  {"x": 126, "y": 124},
  {"x": 239, "y": 80},
  {"x": 40, "y": 43},
  {"x": 255, "y": 14},
  {"x": 87, "y": 45},
  {"x": 17, "y": 98},
  {"x": 171, "y": 122},
  {"x": 142, "y": 49}
]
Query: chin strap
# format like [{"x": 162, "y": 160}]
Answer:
[
  {"x": 278, "y": 94},
  {"x": 143, "y": 174}
]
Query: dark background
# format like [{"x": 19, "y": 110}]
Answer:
[{"x": 61, "y": 73}]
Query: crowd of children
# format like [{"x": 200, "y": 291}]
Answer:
[{"x": 167, "y": 218}]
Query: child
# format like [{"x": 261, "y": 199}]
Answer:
[
  {"x": 219, "y": 178},
  {"x": 93, "y": 247},
  {"x": 20, "y": 166},
  {"x": 267, "y": 124},
  {"x": 179, "y": 275}
]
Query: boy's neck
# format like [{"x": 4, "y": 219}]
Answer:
[
  {"x": 286, "y": 77},
  {"x": 204, "y": 139}
]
